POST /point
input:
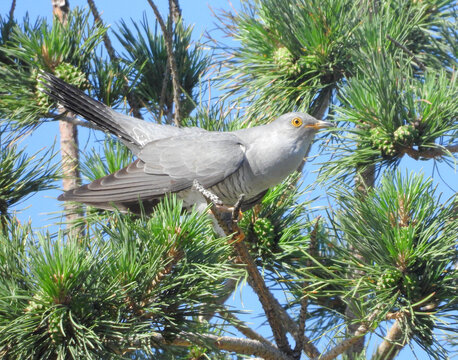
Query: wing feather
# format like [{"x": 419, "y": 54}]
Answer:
[{"x": 166, "y": 165}]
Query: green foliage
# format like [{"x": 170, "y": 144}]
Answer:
[
  {"x": 147, "y": 52},
  {"x": 289, "y": 52},
  {"x": 23, "y": 175},
  {"x": 88, "y": 296},
  {"x": 63, "y": 49},
  {"x": 109, "y": 81},
  {"x": 391, "y": 113},
  {"x": 406, "y": 241},
  {"x": 115, "y": 157}
]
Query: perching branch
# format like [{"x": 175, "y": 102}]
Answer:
[
  {"x": 266, "y": 298},
  {"x": 171, "y": 62},
  {"x": 278, "y": 318},
  {"x": 133, "y": 103}
]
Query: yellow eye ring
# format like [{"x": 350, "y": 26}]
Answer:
[{"x": 296, "y": 122}]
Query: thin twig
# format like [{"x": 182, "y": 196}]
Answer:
[
  {"x": 348, "y": 343},
  {"x": 75, "y": 121},
  {"x": 403, "y": 48},
  {"x": 430, "y": 153},
  {"x": 172, "y": 63},
  {"x": 131, "y": 99},
  {"x": 242, "y": 327},
  {"x": 13, "y": 7}
]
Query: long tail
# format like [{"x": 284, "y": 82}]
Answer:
[{"x": 75, "y": 100}]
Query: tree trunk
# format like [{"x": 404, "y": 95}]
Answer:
[{"x": 68, "y": 135}]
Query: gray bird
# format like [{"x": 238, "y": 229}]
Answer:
[{"x": 170, "y": 159}]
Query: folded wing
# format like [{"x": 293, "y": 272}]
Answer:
[{"x": 164, "y": 166}]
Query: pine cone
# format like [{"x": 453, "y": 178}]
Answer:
[
  {"x": 286, "y": 62},
  {"x": 264, "y": 230},
  {"x": 382, "y": 141},
  {"x": 405, "y": 134}
]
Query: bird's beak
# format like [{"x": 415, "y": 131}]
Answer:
[{"x": 320, "y": 125}]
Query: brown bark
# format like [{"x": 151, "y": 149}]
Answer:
[
  {"x": 131, "y": 98},
  {"x": 392, "y": 344},
  {"x": 70, "y": 164},
  {"x": 172, "y": 63},
  {"x": 68, "y": 135}
]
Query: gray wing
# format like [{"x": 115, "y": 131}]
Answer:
[
  {"x": 166, "y": 165},
  {"x": 207, "y": 157},
  {"x": 135, "y": 133}
]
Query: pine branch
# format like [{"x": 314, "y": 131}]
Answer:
[
  {"x": 350, "y": 342},
  {"x": 237, "y": 345},
  {"x": 364, "y": 180},
  {"x": 392, "y": 343},
  {"x": 431, "y": 153},
  {"x": 13, "y": 7},
  {"x": 68, "y": 138},
  {"x": 74, "y": 120},
  {"x": 171, "y": 62},
  {"x": 271, "y": 306},
  {"x": 175, "y": 10},
  {"x": 268, "y": 302},
  {"x": 243, "y": 328},
  {"x": 131, "y": 99}
]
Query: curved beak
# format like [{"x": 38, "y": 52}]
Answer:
[{"x": 320, "y": 125}]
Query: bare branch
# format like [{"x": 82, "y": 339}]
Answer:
[
  {"x": 430, "y": 153},
  {"x": 175, "y": 10},
  {"x": 243, "y": 328},
  {"x": 237, "y": 345},
  {"x": 348, "y": 343},
  {"x": 131, "y": 99},
  {"x": 75, "y": 121},
  {"x": 171, "y": 62},
  {"x": 11, "y": 13},
  {"x": 392, "y": 343}
]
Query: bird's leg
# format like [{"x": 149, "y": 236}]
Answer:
[
  {"x": 236, "y": 212},
  {"x": 236, "y": 215},
  {"x": 226, "y": 217},
  {"x": 207, "y": 194}
]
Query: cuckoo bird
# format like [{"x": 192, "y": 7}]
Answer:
[{"x": 170, "y": 159}]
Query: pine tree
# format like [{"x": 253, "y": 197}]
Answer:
[{"x": 380, "y": 259}]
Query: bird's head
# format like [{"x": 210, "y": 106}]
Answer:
[{"x": 298, "y": 125}]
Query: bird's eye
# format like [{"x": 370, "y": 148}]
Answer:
[{"x": 296, "y": 122}]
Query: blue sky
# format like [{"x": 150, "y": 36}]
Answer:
[{"x": 194, "y": 12}]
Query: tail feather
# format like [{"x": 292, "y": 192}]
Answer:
[{"x": 75, "y": 100}]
